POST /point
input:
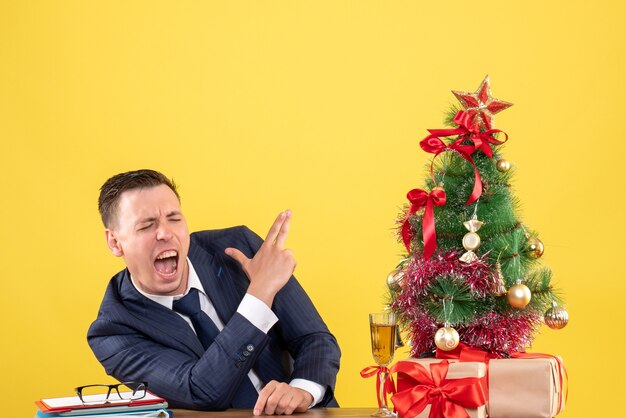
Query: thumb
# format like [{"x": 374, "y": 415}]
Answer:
[{"x": 236, "y": 255}]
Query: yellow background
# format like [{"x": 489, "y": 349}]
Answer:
[{"x": 254, "y": 107}]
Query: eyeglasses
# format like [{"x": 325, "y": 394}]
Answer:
[{"x": 121, "y": 392}]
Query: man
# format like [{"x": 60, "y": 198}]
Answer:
[{"x": 254, "y": 339}]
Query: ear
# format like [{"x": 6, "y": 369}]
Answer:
[{"x": 113, "y": 243}]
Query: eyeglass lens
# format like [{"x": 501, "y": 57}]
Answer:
[{"x": 112, "y": 393}]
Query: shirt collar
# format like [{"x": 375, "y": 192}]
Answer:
[{"x": 193, "y": 281}]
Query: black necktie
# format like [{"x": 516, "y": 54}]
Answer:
[{"x": 189, "y": 305}]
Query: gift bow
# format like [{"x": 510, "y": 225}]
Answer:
[
  {"x": 448, "y": 397},
  {"x": 419, "y": 199}
]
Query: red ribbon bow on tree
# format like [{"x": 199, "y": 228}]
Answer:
[
  {"x": 419, "y": 199},
  {"x": 448, "y": 397},
  {"x": 481, "y": 140},
  {"x": 435, "y": 145}
]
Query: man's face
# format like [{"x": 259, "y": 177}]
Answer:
[{"x": 150, "y": 233}]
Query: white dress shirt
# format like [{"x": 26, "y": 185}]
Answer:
[{"x": 251, "y": 308}]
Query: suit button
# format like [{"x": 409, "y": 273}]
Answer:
[
  {"x": 242, "y": 359},
  {"x": 250, "y": 347},
  {"x": 246, "y": 353}
]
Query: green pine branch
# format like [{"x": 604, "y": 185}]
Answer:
[{"x": 449, "y": 300}]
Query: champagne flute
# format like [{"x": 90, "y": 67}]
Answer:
[{"x": 383, "y": 333}]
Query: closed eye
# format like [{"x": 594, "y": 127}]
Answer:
[{"x": 174, "y": 217}]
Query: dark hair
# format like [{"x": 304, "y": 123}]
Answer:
[{"x": 113, "y": 188}]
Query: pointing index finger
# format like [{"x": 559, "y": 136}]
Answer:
[
  {"x": 284, "y": 231},
  {"x": 275, "y": 228}
]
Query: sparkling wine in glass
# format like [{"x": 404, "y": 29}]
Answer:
[{"x": 383, "y": 333}]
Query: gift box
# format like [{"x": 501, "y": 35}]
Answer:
[
  {"x": 526, "y": 387},
  {"x": 451, "y": 387}
]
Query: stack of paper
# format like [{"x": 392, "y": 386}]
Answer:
[{"x": 150, "y": 406}]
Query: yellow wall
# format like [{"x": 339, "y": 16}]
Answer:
[{"x": 316, "y": 106}]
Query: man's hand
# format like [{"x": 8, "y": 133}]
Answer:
[
  {"x": 272, "y": 266},
  {"x": 281, "y": 399}
]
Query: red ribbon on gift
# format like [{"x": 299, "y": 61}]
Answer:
[
  {"x": 421, "y": 199},
  {"x": 370, "y": 371},
  {"x": 448, "y": 397},
  {"x": 464, "y": 352}
]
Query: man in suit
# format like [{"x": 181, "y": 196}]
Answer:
[{"x": 252, "y": 339}]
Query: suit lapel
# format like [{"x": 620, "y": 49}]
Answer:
[
  {"x": 162, "y": 321},
  {"x": 216, "y": 280}
]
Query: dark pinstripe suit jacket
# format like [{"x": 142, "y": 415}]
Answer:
[{"x": 136, "y": 339}]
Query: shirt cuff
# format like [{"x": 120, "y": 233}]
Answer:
[
  {"x": 257, "y": 312},
  {"x": 315, "y": 389}
]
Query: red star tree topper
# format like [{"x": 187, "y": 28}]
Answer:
[{"x": 481, "y": 105}]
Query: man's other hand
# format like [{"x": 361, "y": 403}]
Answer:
[
  {"x": 281, "y": 399},
  {"x": 272, "y": 265}
]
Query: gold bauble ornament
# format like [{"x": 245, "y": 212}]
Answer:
[
  {"x": 446, "y": 338},
  {"x": 556, "y": 317},
  {"x": 535, "y": 247},
  {"x": 503, "y": 165},
  {"x": 518, "y": 295},
  {"x": 394, "y": 280}
]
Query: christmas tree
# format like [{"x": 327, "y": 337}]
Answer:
[{"x": 473, "y": 270}]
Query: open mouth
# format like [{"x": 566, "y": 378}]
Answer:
[{"x": 166, "y": 263}]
